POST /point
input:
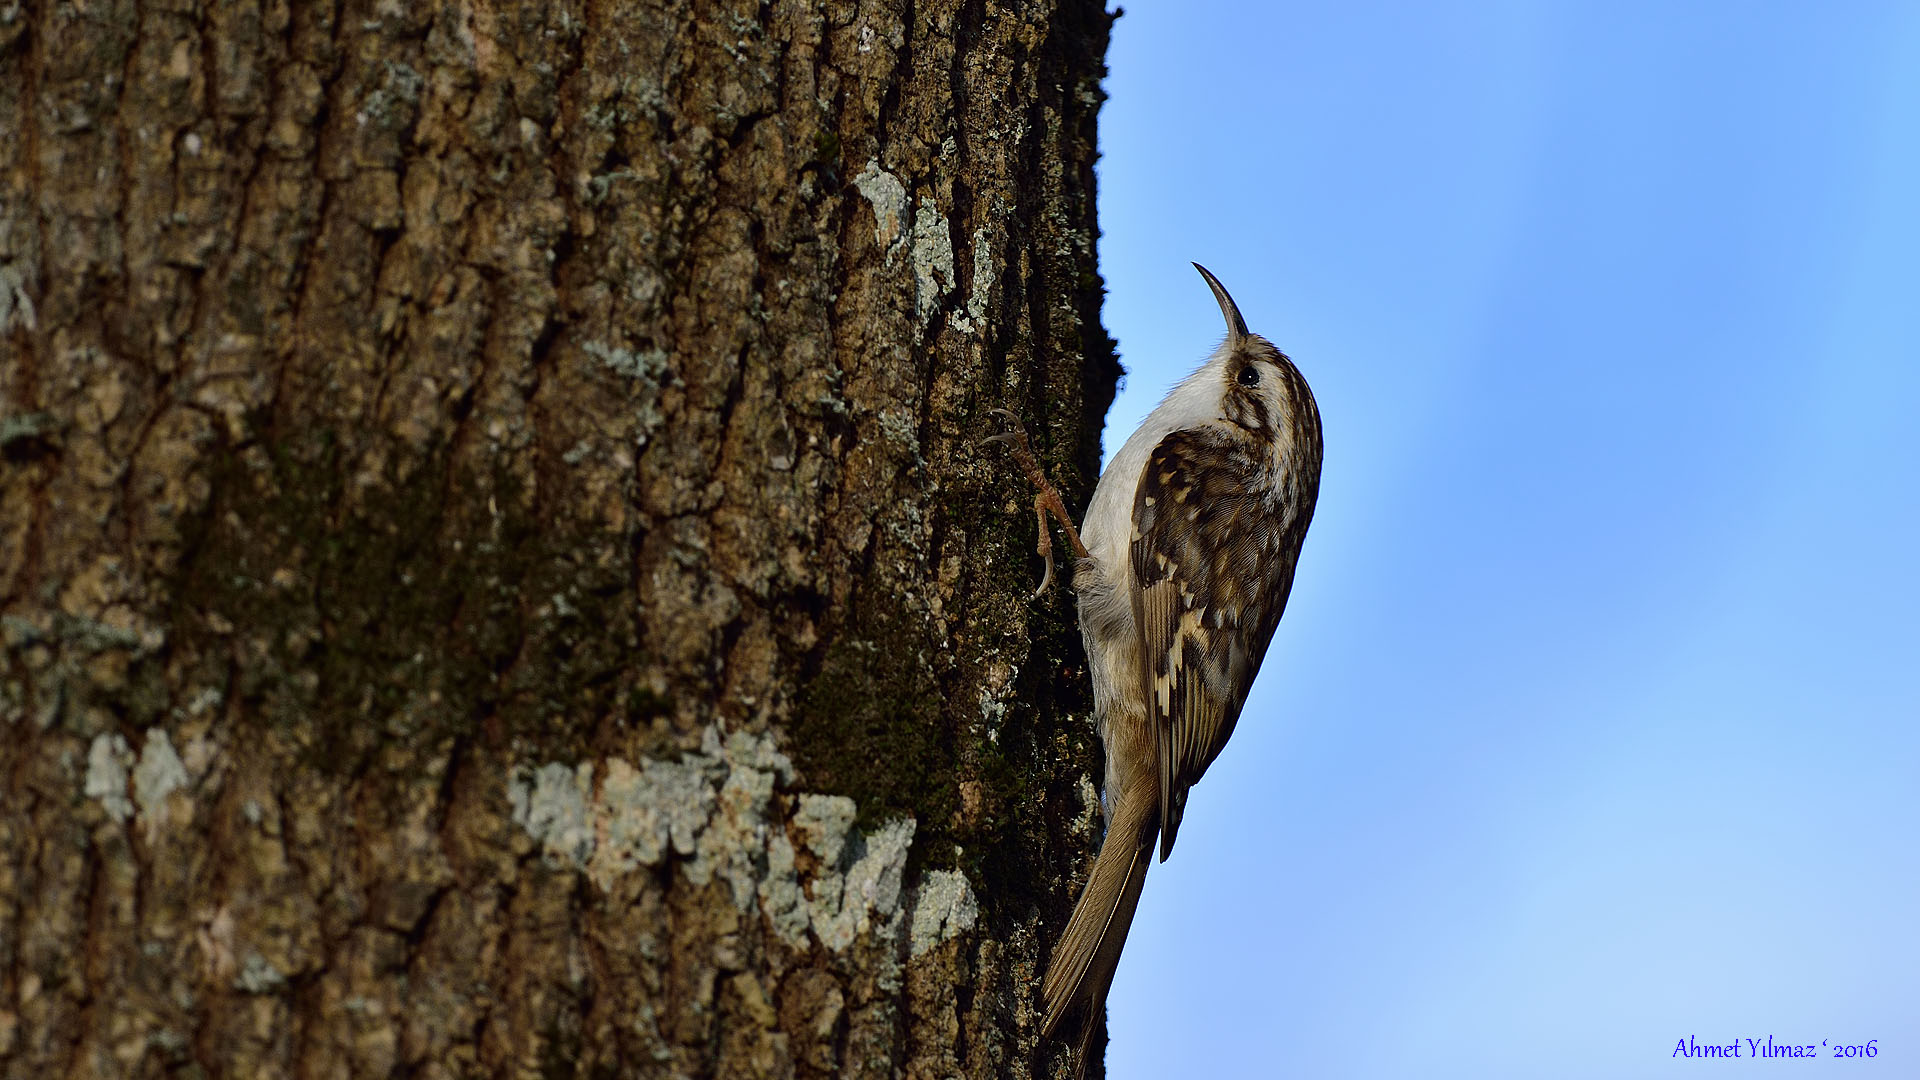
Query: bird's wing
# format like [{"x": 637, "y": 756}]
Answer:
[{"x": 1212, "y": 565}]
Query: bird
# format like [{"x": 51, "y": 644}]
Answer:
[{"x": 1185, "y": 559}]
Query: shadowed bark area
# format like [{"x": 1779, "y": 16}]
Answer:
[{"x": 497, "y": 572}]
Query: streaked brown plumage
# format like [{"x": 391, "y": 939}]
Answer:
[{"x": 1190, "y": 546}]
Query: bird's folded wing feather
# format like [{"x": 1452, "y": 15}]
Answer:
[{"x": 1210, "y": 584}]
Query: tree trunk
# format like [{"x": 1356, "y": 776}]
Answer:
[{"x": 498, "y": 574}]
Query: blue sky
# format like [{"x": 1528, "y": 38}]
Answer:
[{"x": 1592, "y": 722}]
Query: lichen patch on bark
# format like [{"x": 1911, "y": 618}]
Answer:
[{"x": 715, "y": 815}]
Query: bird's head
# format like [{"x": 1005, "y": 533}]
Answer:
[{"x": 1261, "y": 391}]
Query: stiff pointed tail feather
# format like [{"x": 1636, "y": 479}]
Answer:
[{"x": 1083, "y": 962}]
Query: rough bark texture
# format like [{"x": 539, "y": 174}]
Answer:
[{"x": 497, "y": 574}]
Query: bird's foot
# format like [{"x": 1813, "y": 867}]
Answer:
[{"x": 1047, "y": 501}]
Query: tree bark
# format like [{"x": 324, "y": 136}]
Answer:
[{"x": 498, "y": 574}]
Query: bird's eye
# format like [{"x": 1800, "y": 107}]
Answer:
[{"x": 1249, "y": 376}]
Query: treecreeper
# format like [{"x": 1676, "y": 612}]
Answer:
[{"x": 1186, "y": 557}]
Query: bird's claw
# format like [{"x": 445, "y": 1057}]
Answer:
[
  {"x": 1016, "y": 434},
  {"x": 1046, "y": 576}
]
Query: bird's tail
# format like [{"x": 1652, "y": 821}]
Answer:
[{"x": 1083, "y": 962}]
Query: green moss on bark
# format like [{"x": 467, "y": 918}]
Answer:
[
  {"x": 872, "y": 729},
  {"x": 324, "y": 592}
]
